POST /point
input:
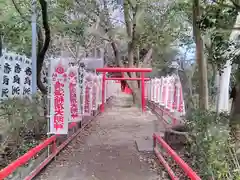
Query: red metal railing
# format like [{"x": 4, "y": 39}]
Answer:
[
  {"x": 25, "y": 158},
  {"x": 166, "y": 112},
  {"x": 159, "y": 140},
  {"x": 162, "y": 111},
  {"x": 4, "y": 173},
  {"x": 184, "y": 166}
]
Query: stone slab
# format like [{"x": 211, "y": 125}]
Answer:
[{"x": 144, "y": 145}]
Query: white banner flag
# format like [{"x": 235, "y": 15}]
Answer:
[
  {"x": 87, "y": 95},
  {"x": 15, "y": 76},
  {"x": 74, "y": 95},
  {"x": 59, "y": 106}
]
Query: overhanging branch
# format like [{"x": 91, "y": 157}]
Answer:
[
  {"x": 237, "y": 6},
  {"x": 19, "y": 12},
  {"x": 127, "y": 18},
  {"x": 147, "y": 57}
]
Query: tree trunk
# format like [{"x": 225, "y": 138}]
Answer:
[
  {"x": 201, "y": 61},
  {"x": 186, "y": 83},
  {"x": 136, "y": 92},
  {"x": 235, "y": 119},
  {"x": 42, "y": 46},
  {"x": 1, "y": 44}
]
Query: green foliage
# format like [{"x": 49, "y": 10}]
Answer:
[
  {"x": 218, "y": 17},
  {"x": 183, "y": 15},
  {"x": 211, "y": 149},
  {"x": 22, "y": 126},
  {"x": 62, "y": 23},
  {"x": 216, "y": 23},
  {"x": 16, "y": 32},
  {"x": 15, "y": 27},
  {"x": 162, "y": 28}
]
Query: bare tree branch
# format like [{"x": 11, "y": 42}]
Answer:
[
  {"x": 130, "y": 4},
  {"x": 71, "y": 51},
  {"x": 19, "y": 12},
  {"x": 127, "y": 18},
  {"x": 147, "y": 57},
  {"x": 237, "y": 6}
]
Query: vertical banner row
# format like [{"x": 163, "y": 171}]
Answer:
[
  {"x": 167, "y": 92},
  {"x": 74, "y": 93}
]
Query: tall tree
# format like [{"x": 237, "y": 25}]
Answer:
[
  {"x": 201, "y": 61},
  {"x": 141, "y": 19}
]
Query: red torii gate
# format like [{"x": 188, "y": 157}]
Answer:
[{"x": 118, "y": 69}]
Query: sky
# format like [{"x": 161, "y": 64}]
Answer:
[{"x": 190, "y": 53}]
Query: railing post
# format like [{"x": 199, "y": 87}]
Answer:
[
  {"x": 154, "y": 141},
  {"x": 103, "y": 90},
  {"x": 54, "y": 147}
]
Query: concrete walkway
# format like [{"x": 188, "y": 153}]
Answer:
[{"x": 107, "y": 150}]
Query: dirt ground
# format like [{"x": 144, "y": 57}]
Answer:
[{"x": 107, "y": 149}]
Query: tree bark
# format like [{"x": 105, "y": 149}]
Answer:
[
  {"x": 130, "y": 22},
  {"x": 42, "y": 45},
  {"x": 186, "y": 82},
  {"x": 131, "y": 32},
  {"x": 1, "y": 44},
  {"x": 201, "y": 61}
]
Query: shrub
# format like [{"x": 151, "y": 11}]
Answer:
[
  {"x": 211, "y": 148},
  {"x": 22, "y": 126}
]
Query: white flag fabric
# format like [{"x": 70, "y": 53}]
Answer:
[{"x": 59, "y": 106}]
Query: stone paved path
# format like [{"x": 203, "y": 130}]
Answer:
[{"x": 107, "y": 150}]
